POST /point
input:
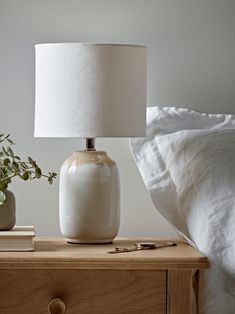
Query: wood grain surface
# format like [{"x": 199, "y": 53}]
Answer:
[
  {"x": 83, "y": 291},
  {"x": 57, "y": 254},
  {"x": 84, "y": 279},
  {"x": 179, "y": 291}
]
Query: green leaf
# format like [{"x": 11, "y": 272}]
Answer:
[
  {"x": 8, "y": 170},
  {"x": 8, "y": 180},
  {"x": 3, "y": 185},
  {"x": 31, "y": 161},
  {"x": 10, "y": 151},
  {"x": 25, "y": 176},
  {"x": 10, "y": 141},
  {"x": 24, "y": 165},
  {"x": 38, "y": 172},
  {"x": 5, "y": 152},
  {"x": 6, "y": 161},
  {"x": 7, "y": 136},
  {"x": 30, "y": 174},
  {"x": 2, "y": 197},
  {"x": 15, "y": 166}
]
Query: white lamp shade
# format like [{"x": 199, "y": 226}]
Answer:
[{"x": 90, "y": 90}]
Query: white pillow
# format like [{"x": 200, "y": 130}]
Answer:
[{"x": 187, "y": 162}]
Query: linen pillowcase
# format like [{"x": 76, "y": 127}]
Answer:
[
  {"x": 187, "y": 162},
  {"x": 163, "y": 121}
]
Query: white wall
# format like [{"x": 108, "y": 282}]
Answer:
[{"x": 191, "y": 60}]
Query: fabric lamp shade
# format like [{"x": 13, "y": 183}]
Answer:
[{"x": 90, "y": 90}]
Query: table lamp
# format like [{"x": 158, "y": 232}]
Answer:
[{"x": 89, "y": 91}]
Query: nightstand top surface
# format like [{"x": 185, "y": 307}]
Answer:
[{"x": 57, "y": 254}]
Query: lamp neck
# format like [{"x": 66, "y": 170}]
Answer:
[{"x": 90, "y": 144}]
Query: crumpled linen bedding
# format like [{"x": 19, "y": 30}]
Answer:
[{"x": 187, "y": 162}]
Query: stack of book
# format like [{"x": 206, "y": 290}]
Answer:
[{"x": 20, "y": 238}]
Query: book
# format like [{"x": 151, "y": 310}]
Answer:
[{"x": 20, "y": 238}]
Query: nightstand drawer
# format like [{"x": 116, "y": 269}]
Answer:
[{"x": 83, "y": 291}]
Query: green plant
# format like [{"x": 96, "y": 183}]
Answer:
[{"x": 12, "y": 166}]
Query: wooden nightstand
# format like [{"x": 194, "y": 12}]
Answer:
[{"x": 84, "y": 279}]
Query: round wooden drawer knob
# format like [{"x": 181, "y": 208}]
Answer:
[{"x": 56, "y": 306}]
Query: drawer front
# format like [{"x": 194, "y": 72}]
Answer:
[{"x": 83, "y": 291}]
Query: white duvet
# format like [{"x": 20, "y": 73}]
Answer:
[{"x": 187, "y": 162}]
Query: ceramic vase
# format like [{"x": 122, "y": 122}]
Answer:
[
  {"x": 89, "y": 198},
  {"x": 7, "y": 212}
]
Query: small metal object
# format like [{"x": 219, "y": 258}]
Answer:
[
  {"x": 142, "y": 246},
  {"x": 90, "y": 144}
]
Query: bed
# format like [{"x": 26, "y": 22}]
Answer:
[{"x": 187, "y": 162}]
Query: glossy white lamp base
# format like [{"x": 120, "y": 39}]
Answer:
[{"x": 89, "y": 198}]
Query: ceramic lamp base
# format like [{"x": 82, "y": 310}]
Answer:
[{"x": 89, "y": 198}]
